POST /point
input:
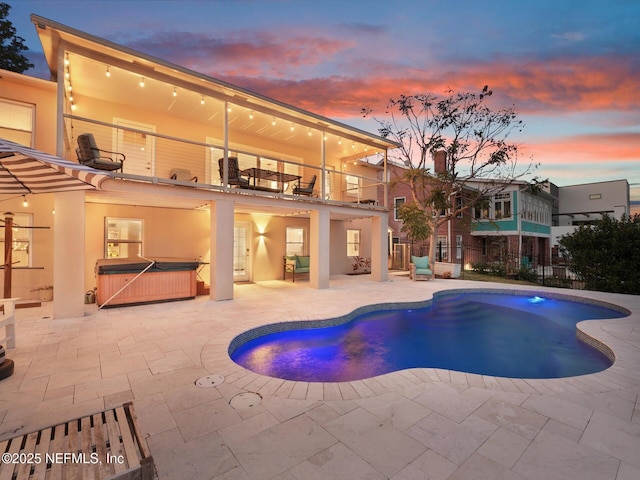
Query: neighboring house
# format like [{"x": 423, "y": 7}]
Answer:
[
  {"x": 586, "y": 203},
  {"x": 175, "y": 125},
  {"x": 515, "y": 225}
]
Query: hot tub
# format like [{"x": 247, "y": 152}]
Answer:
[{"x": 166, "y": 280}]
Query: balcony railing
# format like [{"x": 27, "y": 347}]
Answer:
[{"x": 175, "y": 160}]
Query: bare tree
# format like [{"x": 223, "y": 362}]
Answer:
[{"x": 469, "y": 140}]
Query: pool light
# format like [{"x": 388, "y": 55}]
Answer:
[{"x": 536, "y": 299}]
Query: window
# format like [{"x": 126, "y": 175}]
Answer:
[
  {"x": 458, "y": 247},
  {"x": 21, "y": 240},
  {"x": 353, "y": 185},
  {"x": 441, "y": 248},
  {"x": 123, "y": 237},
  {"x": 353, "y": 243},
  {"x": 502, "y": 205},
  {"x": 481, "y": 211},
  {"x": 295, "y": 241},
  {"x": 397, "y": 203},
  {"x": 16, "y": 122}
]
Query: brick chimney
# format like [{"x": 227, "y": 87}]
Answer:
[{"x": 440, "y": 161}]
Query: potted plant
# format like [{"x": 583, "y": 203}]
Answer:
[{"x": 45, "y": 294}]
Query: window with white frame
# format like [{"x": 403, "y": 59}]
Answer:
[
  {"x": 353, "y": 243},
  {"x": 502, "y": 205},
  {"x": 123, "y": 237},
  {"x": 481, "y": 211},
  {"x": 397, "y": 203},
  {"x": 441, "y": 248},
  {"x": 16, "y": 122},
  {"x": 295, "y": 241},
  {"x": 352, "y": 185},
  {"x": 21, "y": 251}
]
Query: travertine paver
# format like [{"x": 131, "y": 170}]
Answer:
[{"x": 416, "y": 424}]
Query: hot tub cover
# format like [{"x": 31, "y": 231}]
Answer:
[{"x": 108, "y": 266}]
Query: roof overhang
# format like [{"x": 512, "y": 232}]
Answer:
[{"x": 56, "y": 37}]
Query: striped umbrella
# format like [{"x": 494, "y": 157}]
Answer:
[{"x": 24, "y": 170}]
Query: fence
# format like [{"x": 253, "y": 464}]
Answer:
[{"x": 545, "y": 270}]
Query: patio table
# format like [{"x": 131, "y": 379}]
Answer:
[{"x": 281, "y": 178}]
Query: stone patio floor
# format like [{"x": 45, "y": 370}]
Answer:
[{"x": 414, "y": 424}]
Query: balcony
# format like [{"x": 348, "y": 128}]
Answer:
[{"x": 159, "y": 158}]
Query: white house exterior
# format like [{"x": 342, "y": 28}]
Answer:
[
  {"x": 586, "y": 203},
  {"x": 164, "y": 117}
]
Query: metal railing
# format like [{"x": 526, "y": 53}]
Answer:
[{"x": 170, "y": 159}]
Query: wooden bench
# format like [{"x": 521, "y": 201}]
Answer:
[{"x": 106, "y": 445}]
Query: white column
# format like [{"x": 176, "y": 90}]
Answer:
[
  {"x": 221, "y": 238},
  {"x": 319, "y": 240},
  {"x": 68, "y": 255},
  {"x": 379, "y": 239}
]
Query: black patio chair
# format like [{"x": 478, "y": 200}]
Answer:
[{"x": 90, "y": 155}]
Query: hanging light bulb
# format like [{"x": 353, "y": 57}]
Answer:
[
  {"x": 175, "y": 91},
  {"x": 142, "y": 82},
  {"x": 251, "y": 114},
  {"x": 292, "y": 128},
  {"x": 273, "y": 121},
  {"x": 24, "y": 201},
  {"x": 202, "y": 100},
  {"x": 339, "y": 140},
  {"x": 229, "y": 108},
  {"x": 309, "y": 132},
  {"x": 108, "y": 73}
]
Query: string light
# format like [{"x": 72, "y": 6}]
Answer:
[{"x": 66, "y": 59}]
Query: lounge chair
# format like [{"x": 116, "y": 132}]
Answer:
[
  {"x": 183, "y": 175},
  {"x": 308, "y": 190},
  {"x": 90, "y": 155},
  {"x": 234, "y": 177},
  {"x": 419, "y": 268}
]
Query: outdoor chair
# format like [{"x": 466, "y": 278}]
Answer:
[
  {"x": 295, "y": 264},
  {"x": 308, "y": 190},
  {"x": 234, "y": 173},
  {"x": 419, "y": 268},
  {"x": 90, "y": 155},
  {"x": 183, "y": 175}
]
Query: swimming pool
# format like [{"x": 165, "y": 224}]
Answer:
[{"x": 514, "y": 334}]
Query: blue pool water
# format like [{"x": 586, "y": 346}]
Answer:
[{"x": 486, "y": 333}]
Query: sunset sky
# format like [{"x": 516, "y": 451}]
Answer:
[{"x": 570, "y": 68}]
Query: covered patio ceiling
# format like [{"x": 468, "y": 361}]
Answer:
[{"x": 113, "y": 73}]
